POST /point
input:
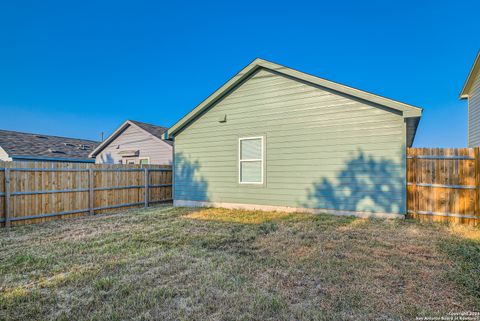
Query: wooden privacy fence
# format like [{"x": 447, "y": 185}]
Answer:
[
  {"x": 35, "y": 192},
  {"x": 443, "y": 184}
]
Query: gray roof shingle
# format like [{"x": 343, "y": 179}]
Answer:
[
  {"x": 155, "y": 130},
  {"x": 45, "y": 146}
]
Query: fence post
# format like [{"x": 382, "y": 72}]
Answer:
[
  {"x": 91, "y": 195},
  {"x": 147, "y": 182},
  {"x": 411, "y": 181},
  {"x": 414, "y": 179},
  {"x": 477, "y": 182},
  {"x": 7, "y": 197}
]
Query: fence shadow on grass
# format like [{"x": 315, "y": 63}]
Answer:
[
  {"x": 365, "y": 184},
  {"x": 189, "y": 185}
]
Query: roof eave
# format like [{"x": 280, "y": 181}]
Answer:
[
  {"x": 413, "y": 113},
  {"x": 57, "y": 159},
  {"x": 412, "y": 127},
  {"x": 464, "y": 94},
  {"x": 110, "y": 138}
]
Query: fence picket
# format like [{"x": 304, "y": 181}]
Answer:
[
  {"x": 7, "y": 197},
  {"x": 147, "y": 183}
]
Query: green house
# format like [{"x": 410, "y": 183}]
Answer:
[{"x": 273, "y": 138}]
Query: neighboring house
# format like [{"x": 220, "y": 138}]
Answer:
[
  {"x": 274, "y": 138},
  {"x": 135, "y": 142},
  {"x": 471, "y": 91},
  {"x": 17, "y": 146}
]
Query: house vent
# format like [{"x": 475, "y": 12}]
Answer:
[
  {"x": 83, "y": 147},
  {"x": 222, "y": 118},
  {"x": 40, "y": 136},
  {"x": 69, "y": 144},
  {"x": 55, "y": 151}
]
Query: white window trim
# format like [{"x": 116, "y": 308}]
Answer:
[
  {"x": 140, "y": 159},
  {"x": 240, "y": 160}
]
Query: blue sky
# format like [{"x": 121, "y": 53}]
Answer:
[{"x": 77, "y": 68}]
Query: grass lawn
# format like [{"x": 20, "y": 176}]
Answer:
[{"x": 163, "y": 263}]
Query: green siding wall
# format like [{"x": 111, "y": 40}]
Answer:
[{"x": 323, "y": 149}]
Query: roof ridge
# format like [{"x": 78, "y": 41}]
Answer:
[{"x": 141, "y": 122}]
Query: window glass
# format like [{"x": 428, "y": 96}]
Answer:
[
  {"x": 251, "y": 148},
  {"x": 251, "y": 160},
  {"x": 251, "y": 172}
]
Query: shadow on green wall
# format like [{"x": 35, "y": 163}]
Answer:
[
  {"x": 364, "y": 184},
  {"x": 189, "y": 185}
]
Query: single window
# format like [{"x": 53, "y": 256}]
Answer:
[
  {"x": 251, "y": 160},
  {"x": 144, "y": 161}
]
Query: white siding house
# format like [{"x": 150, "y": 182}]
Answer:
[
  {"x": 471, "y": 91},
  {"x": 135, "y": 143}
]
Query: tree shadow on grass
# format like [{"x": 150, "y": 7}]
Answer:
[{"x": 364, "y": 184}]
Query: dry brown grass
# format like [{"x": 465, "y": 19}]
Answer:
[
  {"x": 214, "y": 264},
  {"x": 243, "y": 217}
]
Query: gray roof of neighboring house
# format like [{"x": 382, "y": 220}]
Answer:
[
  {"x": 27, "y": 145},
  {"x": 155, "y": 130}
]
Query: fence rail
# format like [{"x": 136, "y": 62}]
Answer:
[
  {"x": 36, "y": 192},
  {"x": 443, "y": 184}
]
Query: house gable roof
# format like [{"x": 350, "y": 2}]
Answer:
[
  {"x": 39, "y": 146},
  {"x": 474, "y": 71},
  {"x": 154, "y": 131},
  {"x": 405, "y": 109}
]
